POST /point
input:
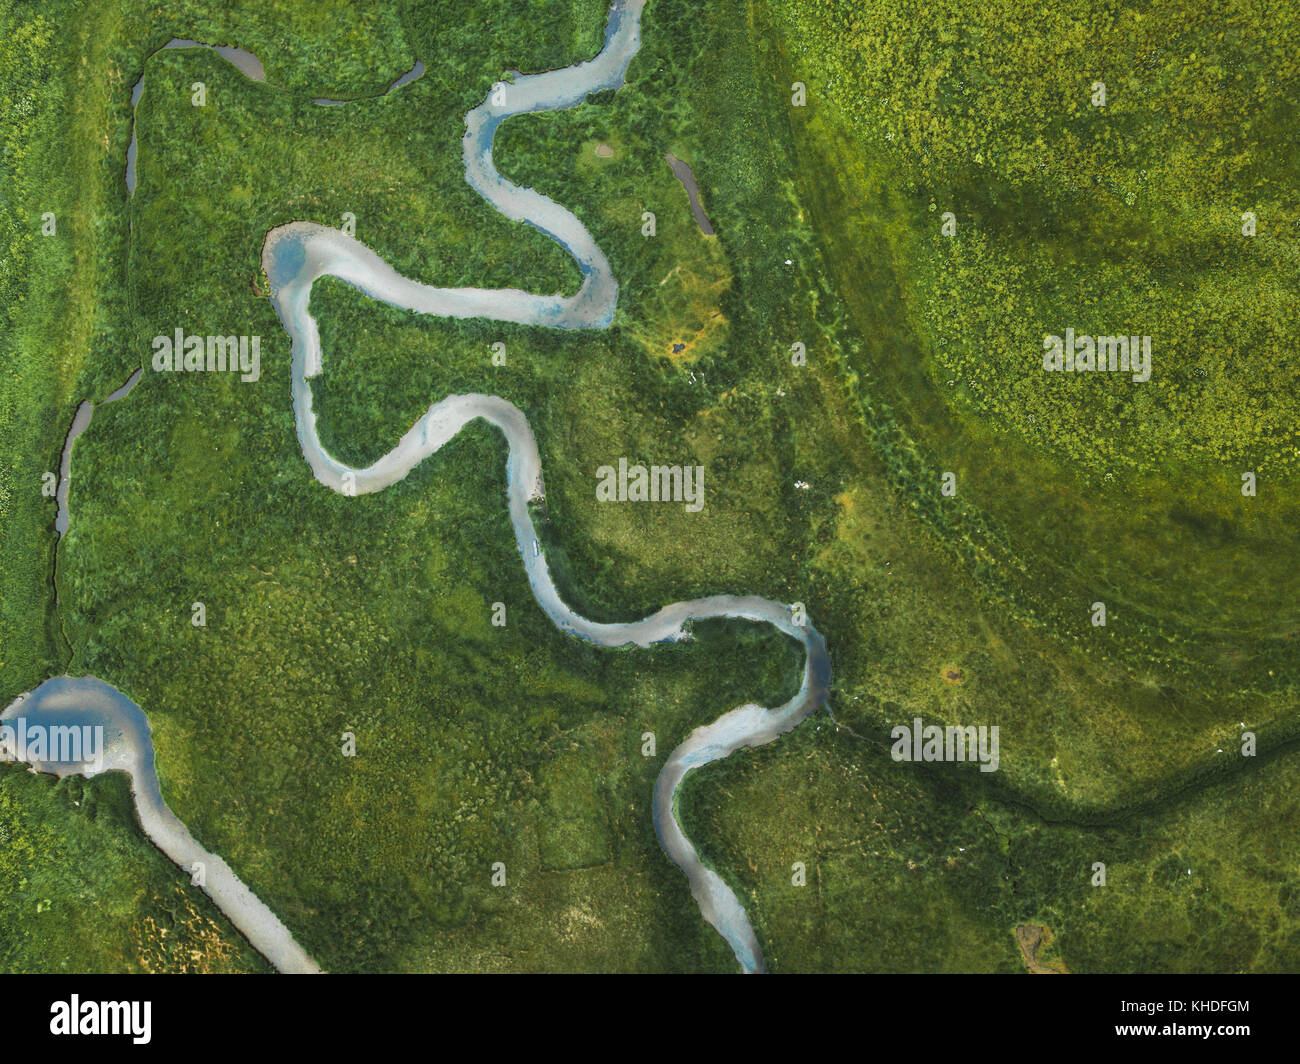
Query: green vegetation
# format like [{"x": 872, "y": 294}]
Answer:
[
  {"x": 328, "y": 614},
  {"x": 81, "y": 890},
  {"x": 929, "y": 869},
  {"x": 47, "y": 292},
  {"x": 478, "y": 744},
  {"x": 1123, "y": 217},
  {"x": 946, "y": 363},
  {"x": 65, "y": 299}
]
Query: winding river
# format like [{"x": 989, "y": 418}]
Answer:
[{"x": 294, "y": 256}]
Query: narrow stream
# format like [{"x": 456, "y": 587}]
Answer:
[
  {"x": 80, "y": 422},
  {"x": 251, "y": 67}
]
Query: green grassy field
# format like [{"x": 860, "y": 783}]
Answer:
[
  {"x": 478, "y": 744},
  {"x": 82, "y": 890}
]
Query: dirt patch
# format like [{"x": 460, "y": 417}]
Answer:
[{"x": 1031, "y": 938}]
